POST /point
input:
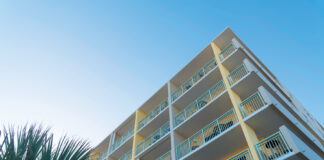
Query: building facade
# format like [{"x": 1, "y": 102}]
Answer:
[{"x": 223, "y": 105}]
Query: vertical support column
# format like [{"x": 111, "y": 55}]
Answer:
[
  {"x": 113, "y": 135},
  {"x": 137, "y": 138},
  {"x": 111, "y": 141},
  {"x": 171, "y": 122},
  {"x": 248, "y": 132}
]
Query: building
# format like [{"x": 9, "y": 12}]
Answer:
[{"x": 224, "y": 104}]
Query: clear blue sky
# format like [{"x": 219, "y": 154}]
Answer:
[{"x": 82, "y": 67}]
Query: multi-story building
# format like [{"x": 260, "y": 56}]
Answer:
[{"x": 224, "y": 104}]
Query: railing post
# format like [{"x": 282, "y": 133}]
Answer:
[
  {"x": 197, "y": 107},
  {"x": 218, "y": 126},
  {"x": 283, "y": 139},
  {"x": 161, "y": 132},
  {"x": 210, "y": 96},
  {"x": 233, "y": 111},
  {"x": 203, "y": 136},
  {"x": 259, "y": 153},
  {"x": 229, "y": 79},
  {"x": 143, "y": 147},
  {"x": 189, "y": 144},
  {"x": 181, "y": 91},
  {"x": 242, "y": 110}
]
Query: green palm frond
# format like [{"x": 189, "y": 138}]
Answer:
[
  {"x": 33, "y": 142},
  {"x": 47, "y": 148},
  {"x": 72, "y": 149},
  {"x": 22, "y": 142},
  {"x": 9, "y": 151},
  {"x": 36, "y": 137}
]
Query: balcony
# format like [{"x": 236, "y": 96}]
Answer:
[
  {"x": 273, "y": 147},
  {"x": 126, "y": 156},
  {"x": 207, "y": 135},
  {"x": 252, "y": 104},
  {"x": 122, "y": 140},
  {"x": 270, "y": 103},
  {"x": 155, "y": 137},
  {"x": 227, "y": 51},
  {"x": 258, "y": 108},
  {"x": 233, "y": 55},
  {"x": 154, "y": 113},
  {"x": 237, "y": 74},
  {"x": 166, "y": 156},
  {"x": 194, "y": 79},
  {"x": 245, "y": 79},
  {"x": 264, "y": 113},
  {"x": 102, "y": 148},
  {"x": 244, "y": 155},
  {"x": 199, "y": 103}
]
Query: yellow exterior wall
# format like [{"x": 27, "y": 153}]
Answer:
[
  {"x": 139, "y": 115},
  {"x": 94, "y": 155},
  {"x": 248, "y": 132}
]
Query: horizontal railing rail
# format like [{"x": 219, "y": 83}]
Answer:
[
  {"x": 166, "y": 156},
  {"x": 154, "y": 137},
  {"x": 251, "y": 104},
  {"x": 237, "y": 74},
  {"x": 273, "y": 147},
  {"x": 206, "y": 134},
  {"x": 195, "y": 78},
  {"x": 244, "y": 155},
  {"x": 199, "y": 103},
  {"x": 226, "y": 51},
  {"x": 126, "y": 156},
  {"x": 122, "y": 139},
  {"x": 156, "y": 111}
]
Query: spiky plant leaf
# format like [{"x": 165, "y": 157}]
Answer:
[
  {"x": 9, "y": 151},
  {"x": 22, "y": 142},
  {"x": 47, "y": 148},
  {"x": 36, "y": 137},
  {"x": 32, "y": 142},
  {"x": 72, "y": 149}
]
